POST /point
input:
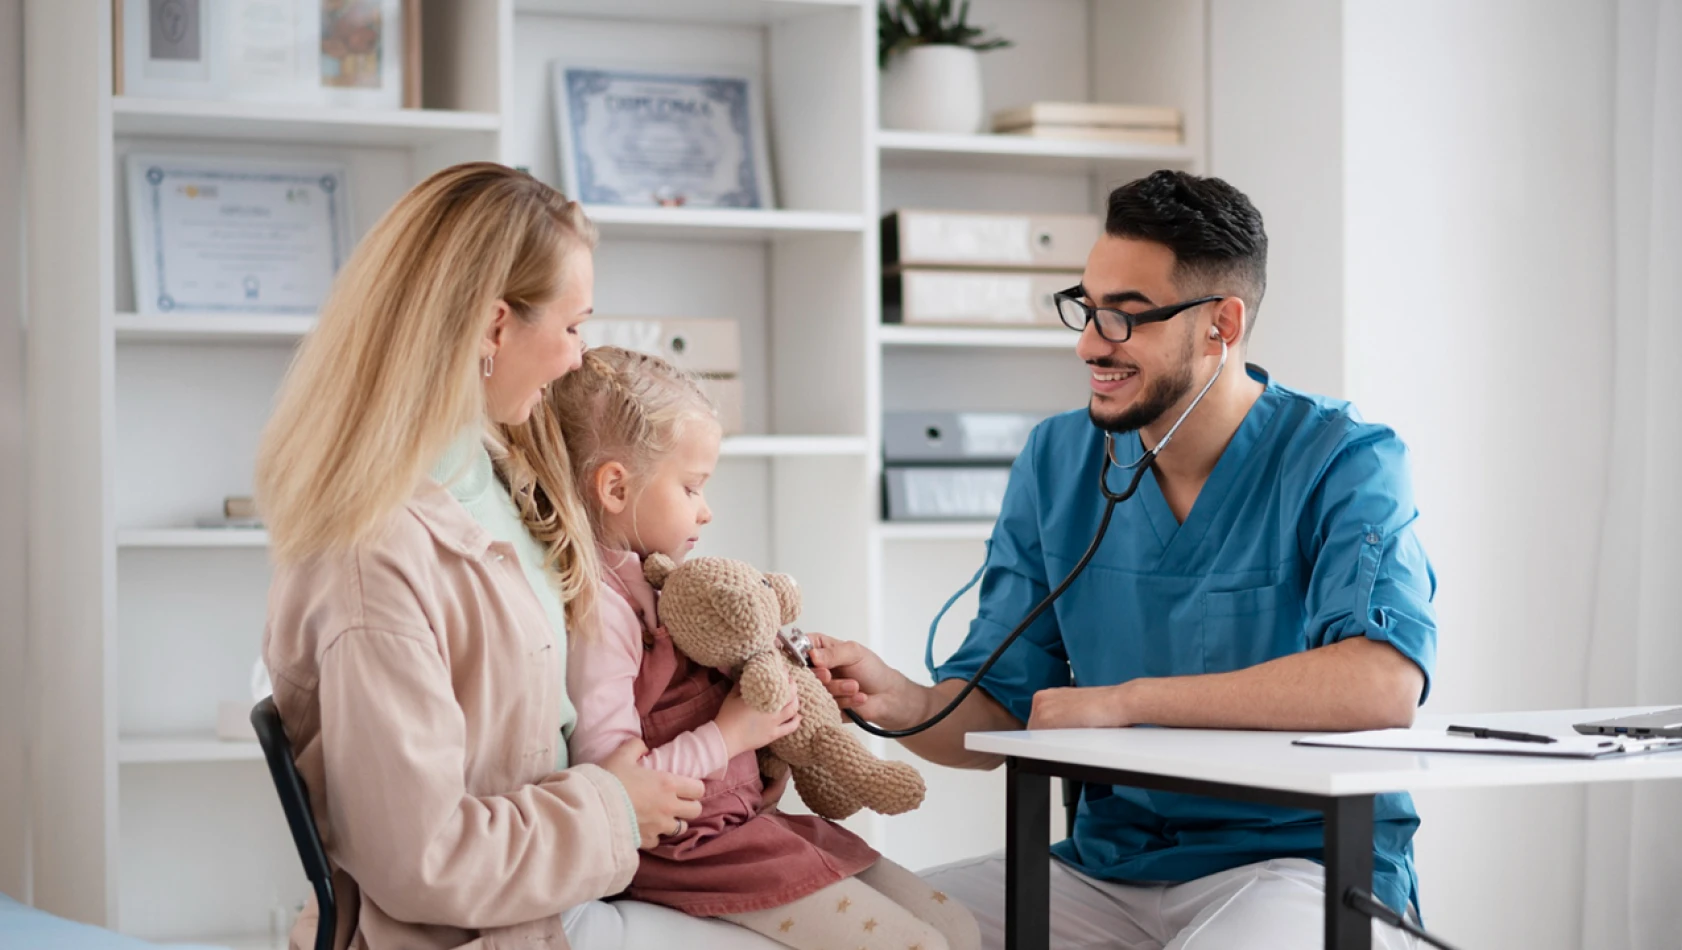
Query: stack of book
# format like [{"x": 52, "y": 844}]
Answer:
[
  {"x": 949, "y": 466},
  {"x": 1092, "y": 121}
]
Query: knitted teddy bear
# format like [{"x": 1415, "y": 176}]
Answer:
[{"x": 727, "y": 615}]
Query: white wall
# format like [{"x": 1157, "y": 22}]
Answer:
[
  {"x": 14, "y": 791},
  {"x": 1478, "y": 282},
  {"x": 1275, "y": 133}
]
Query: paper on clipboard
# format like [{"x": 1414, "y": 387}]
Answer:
[{"x": 1429, "y": 740}]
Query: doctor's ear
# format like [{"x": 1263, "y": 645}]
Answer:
[
  {"x": 494, "y": 327},
  {"x": 1228, "y": 324}
]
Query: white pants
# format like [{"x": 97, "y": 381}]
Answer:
[
  {"x": 635, "y": 925},
  {"x": 1274, "y": 905}
]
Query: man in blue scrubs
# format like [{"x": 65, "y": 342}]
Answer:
[{"x": 1266, "y": 576}]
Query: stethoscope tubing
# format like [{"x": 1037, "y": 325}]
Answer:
[{"x": 1111, "y": 498}]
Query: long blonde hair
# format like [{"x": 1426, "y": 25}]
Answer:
[
  {"x": 390, "y": 375},
  {"x": 620, "y": 406}
]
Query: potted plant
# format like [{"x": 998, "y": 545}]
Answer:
[{"x": 931, "y": 68}]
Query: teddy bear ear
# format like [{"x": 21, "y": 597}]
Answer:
[
  {"x": 657, "y": 567},
  {"x": 788, "y": 595}
]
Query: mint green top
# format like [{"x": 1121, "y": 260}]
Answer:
[{"x": 466, "y": 470}]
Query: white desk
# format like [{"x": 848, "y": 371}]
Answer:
[{"x": 1265, "y": 767}]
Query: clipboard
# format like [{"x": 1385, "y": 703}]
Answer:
[{"x": 1430, "y": 740}]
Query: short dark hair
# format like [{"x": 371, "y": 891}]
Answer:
[{"x": 1216, "y": 234}]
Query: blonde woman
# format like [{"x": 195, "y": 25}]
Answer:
[{"x": 415, "y": 638}]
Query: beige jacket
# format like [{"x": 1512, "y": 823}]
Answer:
[{"x": 420, "y": 685}]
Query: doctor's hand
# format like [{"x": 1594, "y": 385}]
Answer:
[
  {"x": 861, "y": 681},
  {"x": 1080, "y": 707},
  {"x": 664, "y": 802}
]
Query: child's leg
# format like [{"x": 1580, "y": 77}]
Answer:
[
  {"x": 911, "y": 892},
  {"x": 848, "y": 913}
]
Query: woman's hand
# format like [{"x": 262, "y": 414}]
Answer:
[
  {"x": 664, "y": 802},
  {"x": 746, "y": 729}
]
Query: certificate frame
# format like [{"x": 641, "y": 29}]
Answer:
[
  {"x": 278, "y": 51},
  {"x": 172, "y": 276},
  {"x": 722, "y": 108}
]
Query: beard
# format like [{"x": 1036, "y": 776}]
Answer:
[{"x": 1161, "y": 395}]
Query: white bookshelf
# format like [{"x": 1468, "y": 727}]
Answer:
[
  {"x": 191, "y": 748},
  {"x": 275, "y": 122},
  {"x": 1031, "y": 338},
  {"x": 1018, "y": 153},
  {"x": 192, "y": 538},
  {"x": 149, "y": 824},
  {"x": 192, "y": 328},
  {"x": 719, "y": 224}
]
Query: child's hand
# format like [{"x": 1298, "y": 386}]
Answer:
[{"x": 747, "y": 729}]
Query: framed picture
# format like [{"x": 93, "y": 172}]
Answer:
[
  {"x": 662, "y": 137},
  {"x": 222, "y": 235},
  {"x": 351, "y": 53}
]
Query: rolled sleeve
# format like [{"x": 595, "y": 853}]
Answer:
[
  {"x": 1371, "y": 577},
  {"x": 1012, "y": 582}
]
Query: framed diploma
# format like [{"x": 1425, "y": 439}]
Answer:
[
  {"x": 218, "y": 235},
  {"x": 350, "y": 53},
  {"x": 662, "y": 137}
]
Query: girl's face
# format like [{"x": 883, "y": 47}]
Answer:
[
  {"x": 664, "y": 511},
  {"x": 528, "y": 356}
]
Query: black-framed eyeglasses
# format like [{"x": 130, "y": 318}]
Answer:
[{"x": 1115, "y": 325}]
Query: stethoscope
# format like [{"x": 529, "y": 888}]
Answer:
[{"x": 1111, "y": 498}]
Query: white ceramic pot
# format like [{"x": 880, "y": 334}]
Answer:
[{"x": 933, "y": 89}]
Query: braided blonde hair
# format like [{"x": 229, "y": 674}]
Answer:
[{"x": 619, "y": 406}]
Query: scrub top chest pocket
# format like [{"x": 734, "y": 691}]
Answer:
[{"x": 1242, "y": 628}]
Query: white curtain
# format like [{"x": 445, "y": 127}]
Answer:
[{"x": 1633, "y": 848}]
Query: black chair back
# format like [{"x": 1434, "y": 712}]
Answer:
[{"x": 295, "y": 801}]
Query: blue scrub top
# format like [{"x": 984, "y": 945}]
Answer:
[{"x": 1301, "y": 537}]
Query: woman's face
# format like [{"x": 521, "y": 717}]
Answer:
[{"x": 527, "y": 356}]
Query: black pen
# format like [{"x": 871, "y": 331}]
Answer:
[{"x": 1479, "y": 732}]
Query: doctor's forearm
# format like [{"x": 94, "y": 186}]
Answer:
[
  {"x": 1353, "y": 685},
  {"x": 943, "y": 744}
]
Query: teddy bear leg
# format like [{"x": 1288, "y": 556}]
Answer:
[
  {"x": 824, "y": 794},
  {"x": 889, "y": 788}
]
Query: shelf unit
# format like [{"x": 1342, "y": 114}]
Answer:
[
  {"x": 162, "y": 750},
  {"x": 148, "y": 824}
]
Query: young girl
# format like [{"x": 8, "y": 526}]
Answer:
[{"x": 642, "y": 441}]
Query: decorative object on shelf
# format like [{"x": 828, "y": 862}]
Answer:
[
  {"x": 959, "y": 268},
  {"x": 651, "y": 137},
  {"x": 931, "y": 66},
  {"x": 221, "y": 235},
  {"x": 350, "y": 53},
  {"x": 949, "y": 466},
  {"x": 238, "y": 511},
  {"x": 1093, "y": 122},
  {"x": 711, "y": 350}
]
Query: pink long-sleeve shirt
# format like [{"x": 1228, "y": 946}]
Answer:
[{"x": 601, "y": 675}]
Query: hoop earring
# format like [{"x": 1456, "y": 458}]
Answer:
[{"x": 488, "y": 364}]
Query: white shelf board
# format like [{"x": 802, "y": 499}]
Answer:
[
  {"x": 273, "y": 122},
  {"x": 157, "y": 750},
  {"x": 1049, "y": 338},
  {"x": 192, "y": 538},
  {"x": 783, "y": 446},
  {"x": 690, "y": 11},
  {"x": 934, "y": 530},
  {"x": 1018, "y": 153},
  {"x": 217, "y": 328},
  {"x": 719, "y": 224}
]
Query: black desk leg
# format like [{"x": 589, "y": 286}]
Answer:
[
  {"x": 1348, "y": 864},
  {"x": 1028, "y": 859}
]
